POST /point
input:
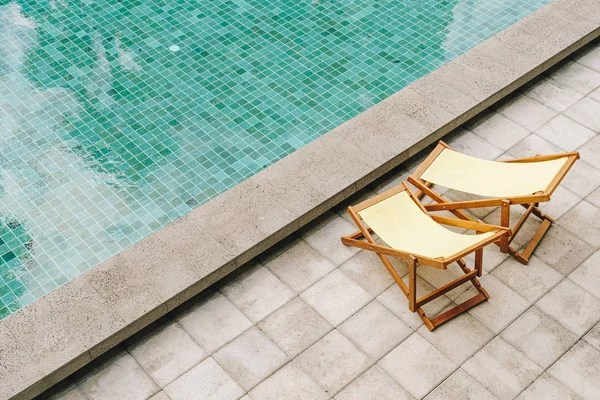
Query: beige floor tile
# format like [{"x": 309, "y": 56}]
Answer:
[
  {"x": 527, "y": 230},
  {"x": 533, "y": 145},
  {"x": 527, "y": 112},
  {"x": 547, "y": 388},
  {"x": 162, "y": 395},
  {"x": 595, "y": 95},
  {"x": 590, "y": 58},
  {"x": 439, "y": 278},
  {"x": 590, "y": 152},
  {"x": 336, "y": 297},
  {"x": 213, "y": 321},
  {"x": 250, "y": 358},
  {"x": 165, "y": 351},
  {"x": 277, "y": 250},
  {"x": 417, "y": 365},
  {"x": 374, "y": 384},
  {"x": 572, "y": 306},
  {"x": 577, "y": 76},
  {"x": 368, "y": 271},
  {"x": 492, "y": 258},
  {"x": 594, "y": 198},
  {"x": 502, "y": 369},
  {"x": 579, "y": 370},
  {"x": 256, "y": 291},
  {"x": 531, "y": 281},
  {"x": 375, "y": 329},
  {"x": 586, "y": 112},
  {"x": 394, "y": 299},
  {"x": 289, "y": 383},
  {"x": 119, "y": 376},
  {"x": 333, "y": 362},
  {"x": 588, "y": 274},
  {"x": 561, "y": 202},
  {"x": 539, "y": 337},
  {"x": 469, "y": 143},
  {"x": 208, "y": 380},
  {"x": 553, "y": 94},
  {"x": 582, "y": 221},
  {"x": 565, "y": 133},
  {"x": 500, "y": 131},
  {"x": 561, "y": 250},
  {"x": 327, "y": 239},
  {"x": 300, "y": 266},
  {"x": 503, "y": 306},
  {"x": 593, "y": 337},
  {"x": 70, "y": 391},
  {"x": 459, "y": 338},
  {"x": 461, "y": 386},
  {"x": 295, "y": 327},
  {"x": 582, "y": 179}
]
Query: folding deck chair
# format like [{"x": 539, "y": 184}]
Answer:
[
  {"x": 525, "y": 181},
  {"x": 401, "y": 221}
]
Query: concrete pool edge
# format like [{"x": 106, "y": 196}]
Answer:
[{"x": 60, "y": 333}]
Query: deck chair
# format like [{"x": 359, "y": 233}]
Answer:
[
  {"x": 412, "y": 234},
  {"x": 524, "y": 181}
]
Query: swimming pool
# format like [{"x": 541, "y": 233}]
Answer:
[{"x": 118, "y": 117}]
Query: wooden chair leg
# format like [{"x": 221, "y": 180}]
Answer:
[
  {"x": 521, "y": 222},
  {"x": 504, "y": 243},
  {"x": 359, "y": 234},
  {"x": 505, "y": 222},
  {"x": 479, "y": 262},
  {"x": 523, "y": 256},
  {"x": 470, "y": 276},
  {"x": 424, "y": 188},
  {"x": 459, "y": 309},
  {"x": 420, "y": 193},
  {"x": 410, "y": 290},
  {"x": 412, "y": 284}
]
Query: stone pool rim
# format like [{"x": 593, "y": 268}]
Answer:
[{"x": 58, "y": 334}]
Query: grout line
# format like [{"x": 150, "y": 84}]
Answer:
[
  {"x": 512, "y": 321},
  {"x": 373, "y": 361},
  {"x": 375, "y": 298}
]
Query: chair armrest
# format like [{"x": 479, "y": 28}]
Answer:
[{"x": 461, "y": 223}]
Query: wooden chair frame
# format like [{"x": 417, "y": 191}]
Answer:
[
  {"x": 414, "y": 260},
  {"x": 530, "y": 202}
]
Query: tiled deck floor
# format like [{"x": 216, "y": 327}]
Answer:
[{"x": 318, "y": 320}]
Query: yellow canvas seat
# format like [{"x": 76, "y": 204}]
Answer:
[
  {"x": 468, "y": 174},
  {"x": 411, "y": 234},
  {"x": 526, "y": 182},
  {"x": 400, "y": 223}
]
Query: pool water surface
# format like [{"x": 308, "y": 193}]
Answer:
[{"x": 117, "y": 117}]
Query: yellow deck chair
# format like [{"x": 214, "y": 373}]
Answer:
[
  {"x": 400, "y": 220},
  {"x": 525, "y": 181}
]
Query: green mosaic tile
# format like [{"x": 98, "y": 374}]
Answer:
[{"x": 119, "y": 116}]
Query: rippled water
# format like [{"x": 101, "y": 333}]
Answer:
[{"x": 117, "y": 117}]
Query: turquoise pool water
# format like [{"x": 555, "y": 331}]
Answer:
[{"x": 117, "y": 117}]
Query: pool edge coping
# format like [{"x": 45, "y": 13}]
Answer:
[{"x": 102, "y": 307}]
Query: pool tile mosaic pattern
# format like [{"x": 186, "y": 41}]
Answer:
[{"x": 117, "y": 117}]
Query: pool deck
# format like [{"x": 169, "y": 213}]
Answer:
[
  {"x": 300, "y": 316},
  {"x": 313, "y": 319}
]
